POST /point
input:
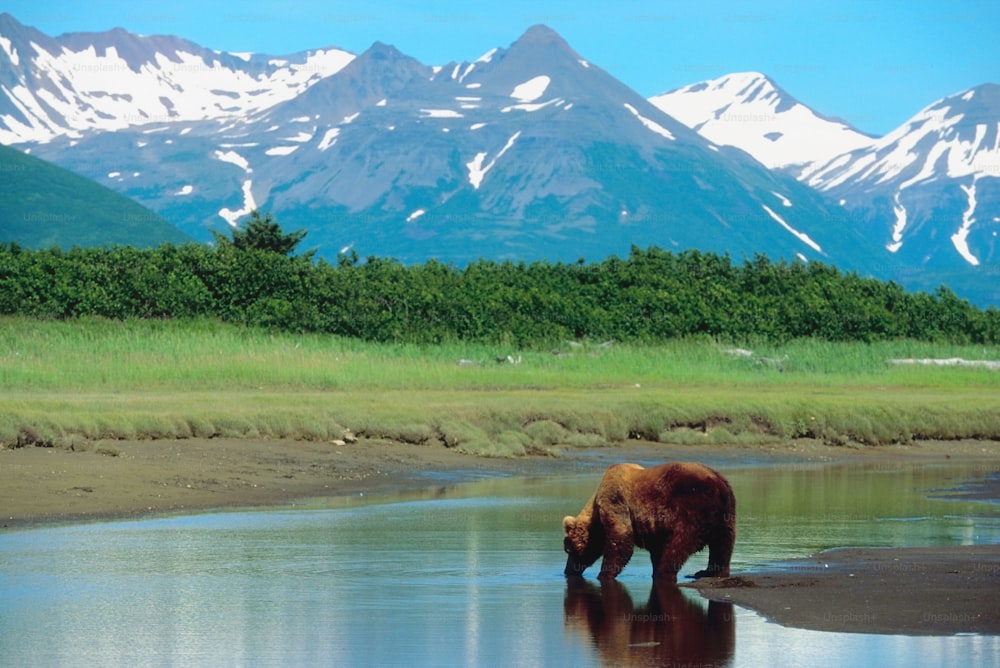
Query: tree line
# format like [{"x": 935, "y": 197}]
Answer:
[{"x": 255, "y": 279}]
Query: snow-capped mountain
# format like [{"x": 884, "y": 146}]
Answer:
[
  {"x": 530, "y": 151},
  {"x": 749, "y": 111},
  {"x": 931, "y": 187},
  {"x": 928, "y": 192},
  {"x": 527, "y": 152},
  {"x": 85, "y": 82}
]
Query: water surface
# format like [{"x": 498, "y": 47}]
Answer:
[{"x": 463, "y": 575}]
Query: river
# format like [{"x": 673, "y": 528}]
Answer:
[{"x": 463, "y": 575}]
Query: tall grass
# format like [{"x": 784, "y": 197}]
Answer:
[{"x": 95, "y": 379}]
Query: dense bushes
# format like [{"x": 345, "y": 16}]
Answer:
[{"x": 650, "y": 296}]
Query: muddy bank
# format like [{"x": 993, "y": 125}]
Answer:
[
  {"x": 135, "y": 478},
  {"x": 910, "y": 591},
  {"x": 127, "y": 479}
]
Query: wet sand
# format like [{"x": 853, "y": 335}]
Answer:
[{"x": 909, "y": 591}]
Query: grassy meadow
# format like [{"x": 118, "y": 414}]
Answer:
[{"x": 77, "y": 383}]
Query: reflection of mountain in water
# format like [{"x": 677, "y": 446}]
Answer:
[{"x": 669, "y": 628}]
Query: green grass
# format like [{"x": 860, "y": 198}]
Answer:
[{"x": 99, "y": 380}]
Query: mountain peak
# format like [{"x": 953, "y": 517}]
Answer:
[
  {"x": 750, "y": 111},
  {"x": 540, "y": 35},
  {"x": 981, "y": 99},
  {"x": 8, "y": 22},
  {"x": 379, "y": 48},
  {"x": 383, "y": 56}
]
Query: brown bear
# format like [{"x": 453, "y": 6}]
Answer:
[{"x": 671, "y": 510}]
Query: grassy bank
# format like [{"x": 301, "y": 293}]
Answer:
[{"x": 76, "y": 383}]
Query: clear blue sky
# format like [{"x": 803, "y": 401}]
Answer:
[{"x": 873, "y": 63}]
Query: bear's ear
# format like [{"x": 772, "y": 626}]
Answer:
[{"x": 568, "y": 523}]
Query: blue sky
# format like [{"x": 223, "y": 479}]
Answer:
[{"x": 873, "y": 63}]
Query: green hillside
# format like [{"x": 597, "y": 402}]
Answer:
[{"x": 42, "y": 205}]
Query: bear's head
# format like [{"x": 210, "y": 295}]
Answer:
[{"x": 581, "y": 549}]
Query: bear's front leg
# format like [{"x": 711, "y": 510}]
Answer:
[{"x": 617, "y": 552}]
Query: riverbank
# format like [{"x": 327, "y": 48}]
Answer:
[
  {"x": 905, "y": 591},
  {"x": 901, "y": 591},
  {"x": 123, "y": 479}
]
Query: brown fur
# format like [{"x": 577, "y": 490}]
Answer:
[{"x": 671, "y": 510}]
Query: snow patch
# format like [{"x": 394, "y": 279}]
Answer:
[
  {"x": 476, "y": 126},
  {"x": 281, "y": 150},
  {"x": 652, "y": 125},
  {"x": 329, "y": 139},
  {"x": 476, "y": 169},
  {"x": 186, "y": 190},
  {"x": 584, "y": 63},
  {"x": 350, "y": 119},
  {"x": 784, "y": 200},
  {"x": 440, "y": 113},
  {"x": 488, "y": 56},
  {"x": 961, "y": 238},
  {"x": 897, "y": 229},
  {"x": 416, "y": 214},
  {"x": 532, "y": 89},
  {"x": 802, "y": 236},
  {"x": 11, "y": 52},
  {"x": 531, "y": 106},
  {"x": 114, "y": 175},
  {"x": 382, "y": 102},
  {"x": 231, "y": 216},
  {"x": 234, "y": 158}
]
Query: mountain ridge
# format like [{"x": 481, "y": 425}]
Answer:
[{"x": 80, "y": 83}]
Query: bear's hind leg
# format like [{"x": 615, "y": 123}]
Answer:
[
  {"x": 671, "y": 558},
  {"x": 720, "y": 551}
]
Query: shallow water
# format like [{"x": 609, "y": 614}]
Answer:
[{"x": 462, "y": 575}]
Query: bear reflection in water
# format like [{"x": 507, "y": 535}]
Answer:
[{"x": 670, "y": 629}]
